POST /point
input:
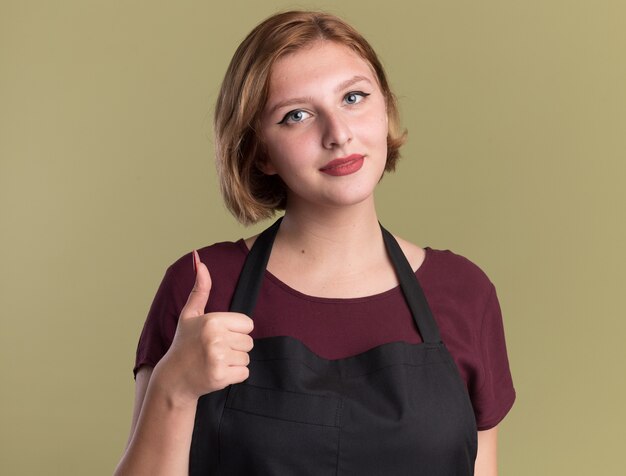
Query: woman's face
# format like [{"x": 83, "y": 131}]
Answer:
[{"x": 324, "y": 105}]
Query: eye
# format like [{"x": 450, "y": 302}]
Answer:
[
  {"x": 295, "y": 116},
  {"x": 355, "y": 97}
]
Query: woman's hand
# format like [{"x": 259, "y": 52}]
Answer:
[{"x": 209, "y": 351}]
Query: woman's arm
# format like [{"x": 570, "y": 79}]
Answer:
[
  {"x": 161, "y": 429},
  {"x": 208, "y": 353},
  {"x": 141, "y": 385},
  {"x": 487, "y": 457}
]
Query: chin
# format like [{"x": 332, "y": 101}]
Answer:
[{"x": 348, "y": 199}]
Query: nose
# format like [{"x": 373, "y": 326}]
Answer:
[{"x": 336, "y": 131}]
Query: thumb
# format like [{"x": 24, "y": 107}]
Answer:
[{"x": 199, "y": 295}]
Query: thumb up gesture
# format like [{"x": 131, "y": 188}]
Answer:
[{"x": 209, "y": 351}]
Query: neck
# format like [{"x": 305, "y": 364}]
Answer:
[{"x": 346, "y": 237}]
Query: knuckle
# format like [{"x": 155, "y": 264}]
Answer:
[
  {"x": 213, "y": 341},
  {"x": 210, "y": 345},
  {"x": 217, "y": 375},
  {"x": 213, "y": 323},
  {"x": 217, "y": 355}
]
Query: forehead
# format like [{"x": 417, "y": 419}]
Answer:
[{"x": 322, "y": 64}]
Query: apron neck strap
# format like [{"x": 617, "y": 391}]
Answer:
[
  {"x": 251, "y": 279},
  {"x": 423, "y": 317}
]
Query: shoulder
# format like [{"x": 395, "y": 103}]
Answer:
[
  {"x": 414, "y": 254},
  {"x": 223, "y": 259},
  {"x": 214, "y": 255},
  {"x": 452, "y": 275},
  {"x": 445, "y": 269},
  {"x": 450, "y": 265}
]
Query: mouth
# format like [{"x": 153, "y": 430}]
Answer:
[
  {"x": 344, "y": 165},
  {"x": 342, "y": 162}
]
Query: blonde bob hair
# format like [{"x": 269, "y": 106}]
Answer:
[{"x": 249, "y": 194}]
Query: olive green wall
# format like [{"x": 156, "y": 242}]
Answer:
[{"x": 517, "y": 118}]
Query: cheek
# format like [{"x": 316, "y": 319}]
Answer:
[
  {"x": 285, "y": 155},
  {"x": 375, "y": 130},
  {"x": 375, "y": 121}
]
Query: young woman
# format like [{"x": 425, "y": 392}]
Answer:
[{"x": 324, "y": 345}]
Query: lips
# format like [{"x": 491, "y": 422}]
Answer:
[
  {"x": 344, "y": 165},
  {"x": 341, "y": 161}
]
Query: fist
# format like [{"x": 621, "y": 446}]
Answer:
[{"x": 209, "y": 351}]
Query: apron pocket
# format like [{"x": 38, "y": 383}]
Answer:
[{"x": 275, "y": 432}]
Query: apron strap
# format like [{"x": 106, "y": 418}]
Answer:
[
  {"x": 251, "y": 279},
  {"x": 251, "y": 276},
  {"x": 423, "y": 317}
]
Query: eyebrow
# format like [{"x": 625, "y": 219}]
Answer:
[{"x": 343, "y": 85}]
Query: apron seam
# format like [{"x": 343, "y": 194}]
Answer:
[{"x": 248, "y": 412}]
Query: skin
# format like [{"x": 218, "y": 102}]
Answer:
[
  {"x": 332, "y": 110},
  {"x": 324, "y": 102}
]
